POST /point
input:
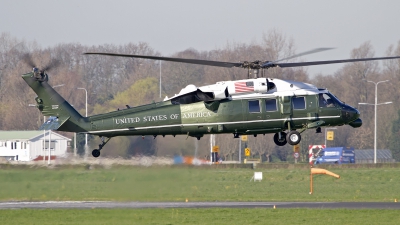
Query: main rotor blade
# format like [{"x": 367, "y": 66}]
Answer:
[
  {"x": 27, "y": 58},
  {"x": 192, "y": 61},
  {"x": 327, "y": 62},
  {"x": 304, "y": 53}
]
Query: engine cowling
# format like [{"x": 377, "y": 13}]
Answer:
[
  {"x": 218, "y": 92},
  {"x": 225, "y": 89}
]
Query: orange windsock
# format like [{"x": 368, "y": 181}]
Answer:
[{"x": 323, "y": 171}]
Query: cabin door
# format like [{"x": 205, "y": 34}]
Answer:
[{"x": 254, "y": 114}]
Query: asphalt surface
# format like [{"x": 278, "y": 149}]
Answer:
[{"x": 138, "y": 205}]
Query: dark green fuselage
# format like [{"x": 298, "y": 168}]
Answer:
[{"x": 231, "y": 115}]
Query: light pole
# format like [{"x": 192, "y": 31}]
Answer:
[
  {"x": 331, "y": 128},
  {"x": 44, "y": 133},
  {"x": 160, "y": 79},
  {"x": 212, "y": 144},
  {"x": 86, "y": 116},
  {"x": 376, "y": 104}
]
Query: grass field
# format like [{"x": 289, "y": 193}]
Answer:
[
  {"x": 199, "y": 216},
  {"x": 177, "y": 183}
]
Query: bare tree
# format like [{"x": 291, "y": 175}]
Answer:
[{"x": 228, "y": 146}]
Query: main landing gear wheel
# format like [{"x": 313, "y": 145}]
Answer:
[
  {"x": 293, "y": 137},
  {"x": 280, "y": 141},
  {"x": 96, "y": 153}
]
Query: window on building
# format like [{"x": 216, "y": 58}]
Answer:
[
  {"x": 52, "y": 145},
  {"x": 270, "y": 105},
  {"x": 254, "y": 106},
  {"x": 299, "y": 103}
]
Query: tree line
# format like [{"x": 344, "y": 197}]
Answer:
[{"x": 113, "y": 82}]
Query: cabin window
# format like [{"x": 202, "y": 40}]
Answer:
[
  {"x": 299, "y": 103},
  {"x": 270, "y": 105},
  {"x": 254, "y": 106}
]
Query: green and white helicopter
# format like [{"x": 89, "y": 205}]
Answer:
[{"x": 242, "y": 107}]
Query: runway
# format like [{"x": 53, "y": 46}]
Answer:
[{"x": 141, "y": 205}]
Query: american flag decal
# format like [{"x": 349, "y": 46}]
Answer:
[{"x": 244, "y": 86}]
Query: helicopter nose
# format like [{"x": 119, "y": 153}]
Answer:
[{"x": 350, "y": 114}]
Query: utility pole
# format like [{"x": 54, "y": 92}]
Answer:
[
  {"x": 376, "y": 104},
  {"x": 86, "y": 137}
]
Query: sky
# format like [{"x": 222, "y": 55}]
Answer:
[{"x": 176, "y": 25}]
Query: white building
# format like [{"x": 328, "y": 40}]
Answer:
[{"x": 31, "y": 145}]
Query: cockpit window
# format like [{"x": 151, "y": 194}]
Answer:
[
  {"x": 336, "y": 98},
  {"x": 326, "y": 100}
]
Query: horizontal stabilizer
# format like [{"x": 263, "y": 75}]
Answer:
[{"x": 53, "y": 123}]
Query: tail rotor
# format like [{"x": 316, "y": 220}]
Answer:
[{"x": 39, "y": 73}]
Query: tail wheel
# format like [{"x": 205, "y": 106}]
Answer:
[
  {"x": 293, "y": 137},
  {"x": 280, "y": 141},
  {"x": 96, "y": 153}
]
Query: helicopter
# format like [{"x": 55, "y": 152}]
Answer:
[{"x": 252, "y": 106}]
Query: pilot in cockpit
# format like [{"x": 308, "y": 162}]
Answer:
[
  {"x": 322, "y": 101},
  {"x": 325, "y": 101}
]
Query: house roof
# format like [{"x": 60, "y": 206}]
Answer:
[
  {"x": 369, "y": 154},
  {"x": 23, "y": 134}
]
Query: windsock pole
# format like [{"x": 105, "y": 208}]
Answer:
[
  {"x": 320, "y": 171},
  {"x": 311, "y": 183}
]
